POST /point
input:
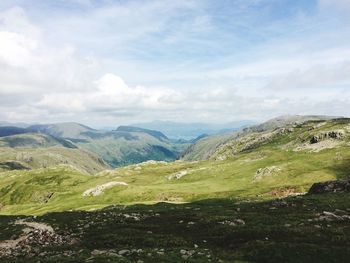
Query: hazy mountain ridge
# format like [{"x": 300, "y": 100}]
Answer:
[
  {"x": 12, "y": 130},
  {"x": 190, "y": 131},
  {"x": 64, "y": 130},
  {"x": 153, "y": 133}
]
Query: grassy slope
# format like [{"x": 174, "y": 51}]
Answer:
[{"x": 231, "y": 178}]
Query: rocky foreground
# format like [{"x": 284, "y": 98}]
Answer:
[{"x": 296, "y": 229}]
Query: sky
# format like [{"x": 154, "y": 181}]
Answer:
[{"x": 109, "y": 62}]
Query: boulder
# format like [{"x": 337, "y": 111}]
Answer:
[
  {"x": 336, "y": 186},
  {"x": 326, "y": 135}
]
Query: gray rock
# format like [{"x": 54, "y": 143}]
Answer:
[
  {"x": 124, "y": 252},
  {"x": 330, "y": 187}
]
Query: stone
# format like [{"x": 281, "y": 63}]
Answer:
[
  {"x": 124, "y": 252},
  {"x": 339, "y": 186}
]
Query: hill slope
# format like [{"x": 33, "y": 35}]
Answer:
[
  {"x": 204, "y": 148},
  {"x": 282, "y": 162},
  {"x": 33, "y": 150}
]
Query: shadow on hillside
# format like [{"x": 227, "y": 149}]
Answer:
[
  {"x": 342, "y": 169},
  {"x": 224, "y": 230}
]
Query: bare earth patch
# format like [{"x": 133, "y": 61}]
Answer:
[
  {"x": 285, "y": 192},
  {"x": 317, "y": 147}
]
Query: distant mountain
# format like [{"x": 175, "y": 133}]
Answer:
[
  {"x": 14, "y": 124},
  {"x": 34, "y": 150},
  {"x": 11, "y": 130},
  {"x": 189, "y": 131},
  {"x": 34, "y": 140},
  {"x": 130, "y": 145},
  {"x": 69, "y": 130},
  {"x": 65, "y": 130},
  {"x": 122, "y": 146},
  {"x": 153, "y": 133}
]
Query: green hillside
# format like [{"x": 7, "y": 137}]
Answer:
[{"x": 282, "y": 162}]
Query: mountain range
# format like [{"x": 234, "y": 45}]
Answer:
[{"x": 122, "y": 146}]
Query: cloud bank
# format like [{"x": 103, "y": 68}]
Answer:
[{"x": 112, "y": 63}]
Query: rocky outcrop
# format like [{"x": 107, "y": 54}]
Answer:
[
  {"x": 336, "y": 186},
  {"x": 326, "y": 135},
  {"x": 34, "y": 235},
  {"x": 99, "y": 189},
  {"x": 266, "y": 171},
  {"x": 178, "y": 175}
]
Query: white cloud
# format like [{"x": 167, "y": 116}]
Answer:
[
  {"x": 110, "y": 93},
  {"x": 111, "y": 84},
  {"x": 70, "y": 68},
  {"x": 30, "y": 65},
  {"x": 339, "y": 4},
  {"x": 15, "y": 49},
  {"x": 15, "y": 20}
]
